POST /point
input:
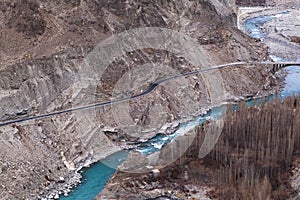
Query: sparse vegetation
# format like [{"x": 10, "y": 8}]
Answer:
[{"x": 254, "y": 154}]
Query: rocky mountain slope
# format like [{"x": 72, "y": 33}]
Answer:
[{"x": 44, "y": 48}]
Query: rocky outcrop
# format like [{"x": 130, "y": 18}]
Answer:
[
  {"x": 288, "y": 3},
  {"x": 251, "y": 2},
  {"x": 26, "y": 18}
]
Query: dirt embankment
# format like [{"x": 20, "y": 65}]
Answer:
[{"x": 44, "y": 44}]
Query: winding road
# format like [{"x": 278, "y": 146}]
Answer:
[{"x": 150, "y": 89}]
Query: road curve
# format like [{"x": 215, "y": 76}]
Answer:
[{"x": 150, "y": 89}]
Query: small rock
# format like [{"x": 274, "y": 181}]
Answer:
[
  {"x": 56, "y": 196},
  {"x": 61, "y": 179},
  {"x": 155, "y": 172}
]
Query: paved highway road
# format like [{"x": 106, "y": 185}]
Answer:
[{"x": 150, "y": 89}]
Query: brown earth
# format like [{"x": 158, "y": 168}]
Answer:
[{"x": 295, "y": 39}]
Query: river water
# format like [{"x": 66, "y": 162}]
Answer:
[
  {"x": 253, "y": 25},
  {"x": 96, "y": 176}
]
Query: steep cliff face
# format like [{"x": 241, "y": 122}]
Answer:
[{"x": 53, "y": 41}]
